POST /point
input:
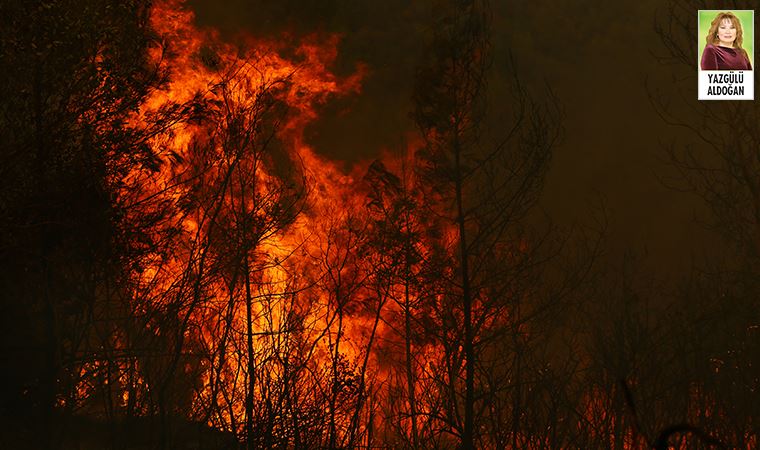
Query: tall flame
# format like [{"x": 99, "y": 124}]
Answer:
[
  {"x": 283, "y": 300},
  {"x": 265, "y": 234}
]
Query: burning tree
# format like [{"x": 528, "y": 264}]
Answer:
[
  {"x": 480, "y": 192},
  {"x": 259, "y": 290},
  {"x": 79, "y": 72}
]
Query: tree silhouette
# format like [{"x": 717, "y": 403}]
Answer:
[
  {"x": 78, "y": 73},
  {"x": 481, "y": 191}
]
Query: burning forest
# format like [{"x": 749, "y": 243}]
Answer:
[{"x": 184, "y": 268}]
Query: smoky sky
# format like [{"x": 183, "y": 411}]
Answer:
[
  {"x": 386, "y": 37},
  {"x": 599, "y": 58}
]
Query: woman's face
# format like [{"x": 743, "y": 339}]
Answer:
[{"x": 726, "y": 32}]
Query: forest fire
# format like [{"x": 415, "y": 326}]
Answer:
[
  {"x": 183, "y": 268},
  {"x": 281, "y": 322}
]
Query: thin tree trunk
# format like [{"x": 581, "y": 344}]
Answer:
[
  {"x": 335, "y": 382},
  {"x": 251, "y": 365},
  {"x": 362, "y": 381},
  {"x": 410, "y": 381},
  {"x": 468, "y": 440}
]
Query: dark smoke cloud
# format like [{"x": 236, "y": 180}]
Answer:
[{"x": 595, "y": 56}]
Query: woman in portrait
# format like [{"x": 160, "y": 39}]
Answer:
[{"x": 724, "y": 45}]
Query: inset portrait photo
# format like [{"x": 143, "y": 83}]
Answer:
[{"x": 725, "y": 43}]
